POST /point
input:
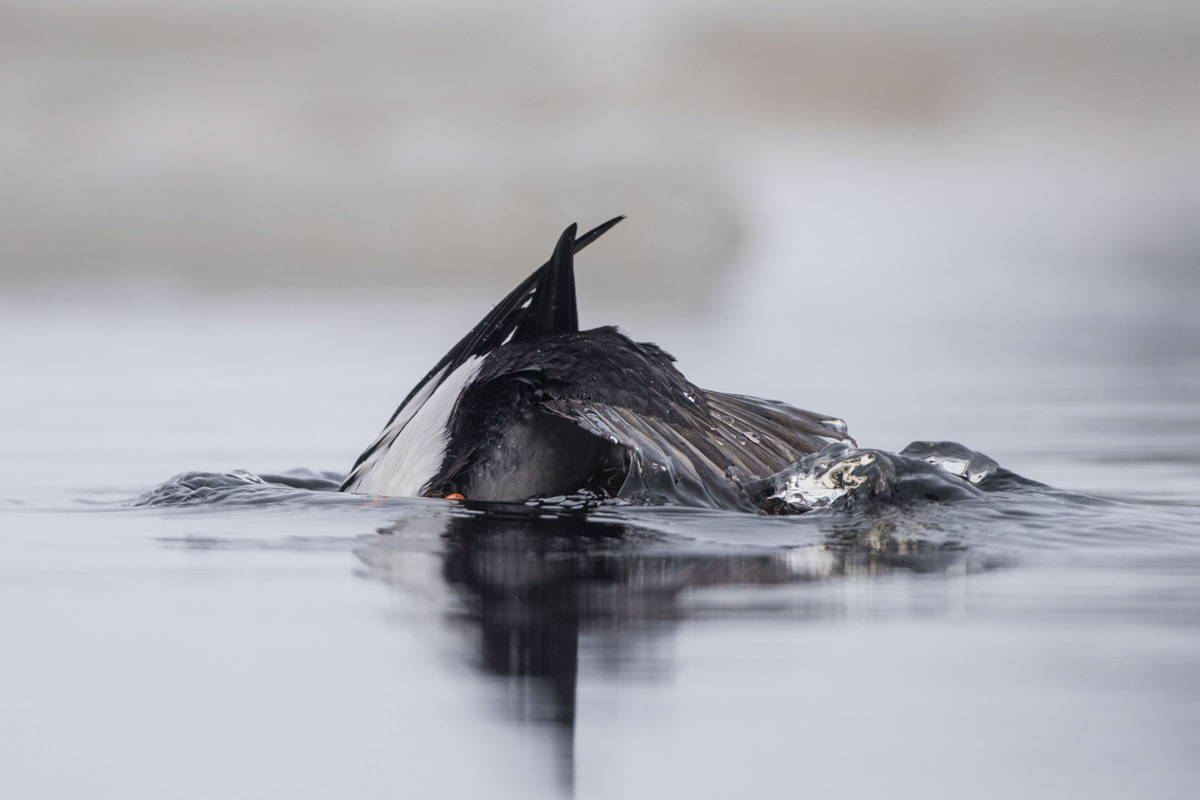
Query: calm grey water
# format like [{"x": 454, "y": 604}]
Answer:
[{"x": 318, "y": 645}]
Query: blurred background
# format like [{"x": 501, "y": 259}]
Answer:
[
  {"x": 862, "y": 207},
  {"x": 221, "y": 144}
]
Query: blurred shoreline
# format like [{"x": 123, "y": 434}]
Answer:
[{"x": 422, "y": 144}]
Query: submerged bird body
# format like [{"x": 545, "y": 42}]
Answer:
[{"x": 527, "y": 405}]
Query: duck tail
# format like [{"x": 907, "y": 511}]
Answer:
[{"x": 552, "y": 307}]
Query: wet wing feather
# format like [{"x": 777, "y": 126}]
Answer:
[
  {"x": 768, "y": 435},
  {"x": 665, "y": 464},
  {"x": 698, "y": 442}
]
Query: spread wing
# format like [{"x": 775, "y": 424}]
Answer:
[
  {"x": 684, "y": 444},
  {"x": 702, "y": 458},
  {"x": 765, "y": 434}
]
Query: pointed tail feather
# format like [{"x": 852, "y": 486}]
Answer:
[
  {"x": 502, "y": 321},
  {"x": 552, "y": 308}
]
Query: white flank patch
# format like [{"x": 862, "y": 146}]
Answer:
[
  {"x": 388, "y": 435},
  {"x": 419, "y": 436}
]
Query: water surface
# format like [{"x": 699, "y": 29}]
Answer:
[{"x": 291, "y": 642}]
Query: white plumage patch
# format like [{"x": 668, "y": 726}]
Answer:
[
  {"x": 414, "y": 445},
  {"x": 825, "y": 481}
]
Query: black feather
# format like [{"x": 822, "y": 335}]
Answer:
[
  {"x": 670, "y": 440},
  {"x": 494, "y": 328},
  {"x": 552, "y": 308}
]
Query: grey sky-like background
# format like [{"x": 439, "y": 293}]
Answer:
[{"x": 368, "y": 144}]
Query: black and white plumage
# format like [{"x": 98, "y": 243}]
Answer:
[{"x": 527, "y": 405}]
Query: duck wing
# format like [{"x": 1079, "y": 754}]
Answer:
[
  {"x": 766, "y": 433},
  {"x": 703, "y": 458},
  {"x": 683, "y": 444}
]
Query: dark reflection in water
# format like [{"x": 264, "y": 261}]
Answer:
[
  {"x": 530, "y": 583},
  {"x": 538, "y": 585}
]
